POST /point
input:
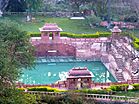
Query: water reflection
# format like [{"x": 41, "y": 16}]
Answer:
[{"x": 48, "y": 73}]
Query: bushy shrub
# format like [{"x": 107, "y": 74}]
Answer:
[
  {"x": 37, "y": 89},
  {"x": 124, "y": 33},
  {"x": 122, "y": 87},
  {"x": 44, "y": 88},
  {"x": 99, "y": 91},
  {"x": 135, "y": 87},
  {"x": 21, "y": 89},
  {"x": 136, "y": 46},
  {"x": 135, "y": 40},
  {"x": 92, "y": 19},
  {"x": 72, "y": 35},
  {"x": 133, "y": 37},
  {"x": 14, "y": 96},
  {"x": 131, "y": 18},
  {"x": 69, "y": 98},
  {"x": 109, "y": 91},
  {"x": 104, "y": 34},
  {"x": 29, "y": 99},
  {"x": 94, "y": 91},
  {"x": 79, "y": 35},
  {"x": 34, "y": 34}
]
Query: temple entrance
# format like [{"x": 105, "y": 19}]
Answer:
[{"x": 50, "y": 29}]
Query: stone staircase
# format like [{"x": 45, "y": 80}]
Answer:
[
  {"x": 119, "y": 76},
  {"x": 125, "y": 54}
]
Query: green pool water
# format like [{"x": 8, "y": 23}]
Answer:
[{"x": 46, "y": 73}]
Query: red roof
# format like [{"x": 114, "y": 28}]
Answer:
[
  {"x": 79, "y": 72},
  {"x": 104, "y": 23},
  {"x": 116, "y": 29},
  {"x": 50, "y": 27}
]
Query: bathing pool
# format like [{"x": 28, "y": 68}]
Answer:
[{"x": 47, "y": 73}]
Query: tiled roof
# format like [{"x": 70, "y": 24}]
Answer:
[
  {"x": 116, "y": 29},
  {"x": 50, "y": 27},
  {"x": 79, "y": 72}
]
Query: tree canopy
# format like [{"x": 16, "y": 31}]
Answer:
[
  {"x": 33, "y": 5},
  {"x": 16, "y": 52},
  {"x": 20, "y": 5},
  {"x": 78, "y": 3},
  {"x": 16, "y": 6},
  {"x": 3, "y": 4}
]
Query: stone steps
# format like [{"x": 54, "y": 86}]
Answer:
[
  {"x": 60, "y": 59},
  {"x": 120, "y": 62},
  {"x": 119, "y": 76}
]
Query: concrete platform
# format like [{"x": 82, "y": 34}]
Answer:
[{"x": 77, "y": 18}]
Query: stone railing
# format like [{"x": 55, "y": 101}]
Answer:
[
  {"x": 53, "y": 14},
  {"x": 111, "y": 98},
  {"x": 91, "y": 96},
  {"x": 68, "y": 40},
  {"x": 63, "y": 84},
  {"x": 45, "y": 93}
]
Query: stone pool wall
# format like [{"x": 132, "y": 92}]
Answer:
[
  {"x": 78, "y": 47},
  {"x": 117, "y": 55},
  {"x": 56, "y": 49}
]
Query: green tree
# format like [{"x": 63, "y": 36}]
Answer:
[
  {"x": 16, "y": 6},
  {"x": 32, "y": 5},
  {"x": 93, "y": 20},
  {"x": 21, "y": 5},
  {"x": 100, "y": 7},
  {"x": 3, "y": 5},
  {"x": 16, "y": 52},
  {"x": 78, "y": 3}
]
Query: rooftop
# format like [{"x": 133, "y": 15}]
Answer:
[
  {"x": 79, "y": 72},
  {"x": 50, "y": 27},
  {"x": 116, "y": 29}
]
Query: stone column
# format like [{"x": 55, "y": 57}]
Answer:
[
  {"x": 115, "y": 32},
  {"x": 89, "y": 82},
  {"x": 48, "y": 33},
  {"x": 44, "y": 36},
  {"x": 58, "y": 34},
  {"x": 53, "y": 35},
  {"x": 42, "y": 33}
]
